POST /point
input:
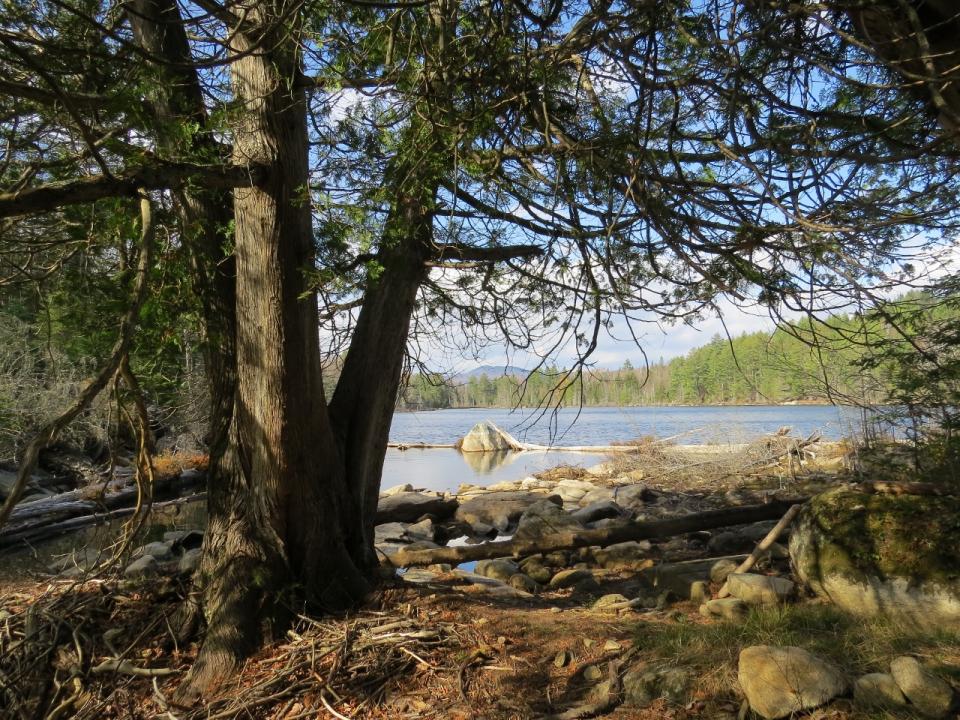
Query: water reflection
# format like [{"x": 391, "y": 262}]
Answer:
[
  {"x": 446, "y": 469},
  {"x": 484, "y": 463}
]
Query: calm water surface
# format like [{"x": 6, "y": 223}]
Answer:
[{"x": 446, "y": 469}]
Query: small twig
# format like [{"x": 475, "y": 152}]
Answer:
[
  {"x": 125, "y": 667},
  {"x": 331, "y": 710}
]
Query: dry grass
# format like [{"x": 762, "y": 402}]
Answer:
[
  {"x": 776, "y": 460},
  {"x": 168, "y": 465}
]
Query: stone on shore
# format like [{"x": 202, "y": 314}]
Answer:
[
  {"x": 781, "y": 681},
  {"x": 500, "y": 510},
  {"x": 930, "y": 695},
  {"x": 408, "y": 507},
  {"x": 543, "y": 519},
  {"x": 630, "y": 555},
  {"x": 732, "y": 609},
  {"x": 501, "y": 569},
  {"x": 878, "y": 690},
  {"x": 142, "y": 567},
  {"x": 759, "y": 589},
  {"x": 863, "y": 552},
  {"x": 601, "y": 510}
]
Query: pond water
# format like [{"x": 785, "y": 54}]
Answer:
[{"x": 444, "y": 469}]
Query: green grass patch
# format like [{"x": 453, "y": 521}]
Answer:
[{"x": 855, "y": 645}]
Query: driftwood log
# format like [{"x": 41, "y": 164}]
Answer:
[
  {"x": 75, "y": 509},
  {"x": 601, "y": 537}
]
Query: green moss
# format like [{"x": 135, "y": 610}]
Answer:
[{"x": 889, "y": 535}]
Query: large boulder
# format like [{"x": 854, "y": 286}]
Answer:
[
  {"x": 408, "y": 507},
  {"x": 882, "y": 554},
  {"x": 499, "y": 509},
  {"x": 487, "y": 437},
  {"x": 781, "y": 681}
]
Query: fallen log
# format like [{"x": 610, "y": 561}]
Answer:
[
  {"x": 31, "y": 533},
  {"x": 603, "y": 537},
  {"x": 88, "y": 500}
]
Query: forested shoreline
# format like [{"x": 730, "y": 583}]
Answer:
[{"x": 832, "y": 362}]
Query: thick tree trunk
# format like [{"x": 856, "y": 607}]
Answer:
[
  {"x": 366, "y": 394},
  {"x": 280, "y": 520},
  {"x": 363, "y": 403},
  {"x": 204, "y": 216}
]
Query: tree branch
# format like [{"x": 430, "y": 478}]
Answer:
[
  {"x": 126, "y": 184},
  {"x": 461, "y": 251}
]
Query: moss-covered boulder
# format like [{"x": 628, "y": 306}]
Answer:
[{"x": 882, "y": 554}]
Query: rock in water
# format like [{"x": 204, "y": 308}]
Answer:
[
  {"x": 930, "y": 695},
  {"x": 487, "y": 437},
  {"x": 882, "y": 554},
  {"x": 780, "y": 681}
]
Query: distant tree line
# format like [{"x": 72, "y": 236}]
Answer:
[{"x": 838, "y": 360}]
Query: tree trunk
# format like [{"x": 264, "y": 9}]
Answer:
[
  {"x": 366, "y": 395},
  {"x": 279, "y": 521}
]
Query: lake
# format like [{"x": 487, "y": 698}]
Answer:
[{"x": 443, "y": 469}]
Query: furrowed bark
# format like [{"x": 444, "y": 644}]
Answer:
[
  {"x": 281, "y": 523},
  {"x": 204, "y": 214},
  {"x": 602, "y": 537}
]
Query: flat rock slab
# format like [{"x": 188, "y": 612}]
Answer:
[
  {"x": 499, "y": 509},
  {"x": 780, "y": 681},
  {"x": 409, "y": 507}
]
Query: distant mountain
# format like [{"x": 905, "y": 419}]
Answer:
[{"x": 491, "y": 371}]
